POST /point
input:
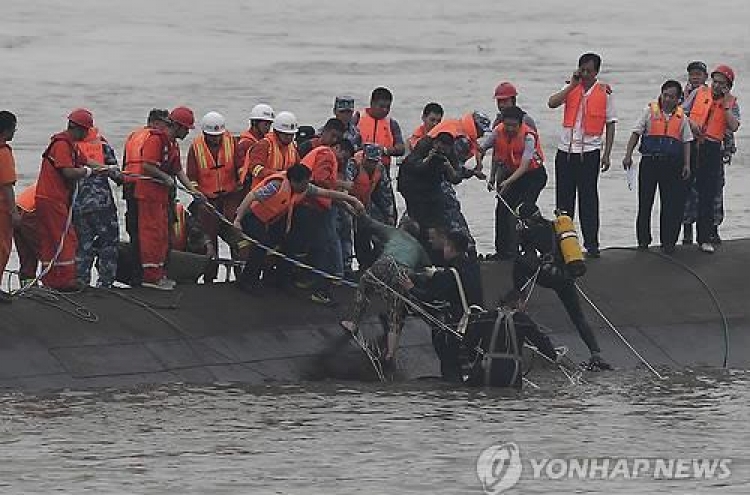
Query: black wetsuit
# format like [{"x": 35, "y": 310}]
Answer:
[
  {"x": 442, "y": 286},
  {"x": 537, "y": 248}
]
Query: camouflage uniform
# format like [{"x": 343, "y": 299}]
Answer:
[
  {"x": 455, "y": 220},
  {"x": 344, "y": 224},
  {"x": 729, "y": 147},
  {"x": 95, "y": 220}
]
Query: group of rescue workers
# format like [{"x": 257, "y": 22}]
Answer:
[{"x": 326, "y": 196}]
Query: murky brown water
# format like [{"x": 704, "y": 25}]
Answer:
[{"x": 121, "y": 59}]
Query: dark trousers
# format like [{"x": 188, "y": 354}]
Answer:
[
  {"x": 131, "y": 227},
  {"x": 665, "y": 173},
  {"x": 577, "y": 173},
  {"x": 364, "y": 248},
  {"x": 270, "y": 235},
  {"x": 428, "y": 210},
  {"x": 705, "y": 162},
  {"x": 569, "y": 297},
  {"x": 524, "y": 190},
  {"x": 567, "y": 293}
]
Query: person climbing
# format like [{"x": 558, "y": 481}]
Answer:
[
  {"x": 539, "y": 257},
  {"x": 388, "y": 276}
]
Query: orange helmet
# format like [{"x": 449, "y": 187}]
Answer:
[
  {"x": 505, "y": 90},
  {"x": 82, "y": 117},
  {"x": 726, "y": 71},
  {"x": 183, "y": 116}
]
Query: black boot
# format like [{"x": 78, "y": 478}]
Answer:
[{"x": 596, "y": 363}]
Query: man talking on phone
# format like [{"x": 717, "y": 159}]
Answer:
[{"x": 582, "y": 154}]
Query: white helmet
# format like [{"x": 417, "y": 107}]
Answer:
[
  {"x": 261, "y": 111},
  {"x": 213, "y": 123},
  {"x": 286, "y": 123}
]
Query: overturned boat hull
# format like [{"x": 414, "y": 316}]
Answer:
[{"x": 687, "y": 311}]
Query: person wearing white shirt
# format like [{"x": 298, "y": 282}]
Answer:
[{"x": 582, "y": 153}]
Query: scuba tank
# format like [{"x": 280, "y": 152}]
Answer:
[{"x": 570, "y": 248}]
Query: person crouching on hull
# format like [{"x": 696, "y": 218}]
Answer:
[
  {"x": 665, "y": 135},
  {"x": 266, "y": 213},
  {"x": 540, "y": 255}
]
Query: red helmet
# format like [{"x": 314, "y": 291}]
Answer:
[
  {"x": 726, "y": 71},
  {"x": 82, "y": 117},
  {"x": 183, "y": 116},
  {"x": 505, "y": 90}
]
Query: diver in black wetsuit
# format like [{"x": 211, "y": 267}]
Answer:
[
  {"x": 538, "y": 250},
  {"x": 443, "y": 285}
]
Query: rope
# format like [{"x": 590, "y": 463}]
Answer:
[
  {"x": 334, "y": 279},
  {"x": 50, "y": 297},
  {"x": 433, "y": 320},
  {"x": 711, "y": 293},
  {"x": 58, "y": 251},
  {"x": 617, "y": 332}
]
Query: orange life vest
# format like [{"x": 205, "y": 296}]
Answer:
[
  {"x": 179, "y": 235},
  {"x": 311, "y": 161},
  {"x": 248, "y": 135},
  {"x": 454, "y": 127},
  {"x": 216, "y": 177},
  {"x": 51, "y": 183},
  {"x": 280, "y": 204},
  {"x": 376, "y": 131},
  {"x": 667, "y": 127},
  {"x": 594, "y": 107},
  {"x": 133, "y": 146},
  {"x": 708, "y": 114},
  {"x": 418, "y": 134},
  {"x": 91, "y": 146},
  {"x": 509, "y": 151},
  {"x": 664, "y": 136},
  {"x": 464, "y": 126},
  {"x": 279, "y": 158},
  {"x": 26, "y": 200},
  {"x": 365, "y": 183}
]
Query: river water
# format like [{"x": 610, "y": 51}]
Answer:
[{"x": 121, "y": 59}]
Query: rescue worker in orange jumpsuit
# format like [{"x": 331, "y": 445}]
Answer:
[
  {"x": 213, "y": 169},
  {"x": 131, "y": 161},
  {"x": 9, "y": 215},
  {"x": 160, "y": 156},
  {"x": 62, "y": 165}
]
